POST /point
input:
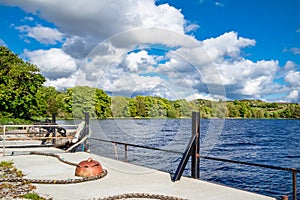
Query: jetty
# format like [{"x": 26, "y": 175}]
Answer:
[
  {"x": 122, "y": 179},
  {"x": 51, "y": 171}
]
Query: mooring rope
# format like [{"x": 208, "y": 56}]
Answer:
[
  {"x": 141, "y": 196},
  {"x": 55, "y": 181},
  {"x": 84, "y": 179},
  {"x": 53, "y": 155}
]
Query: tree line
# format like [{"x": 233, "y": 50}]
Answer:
[{"x": 23, "y": 96}]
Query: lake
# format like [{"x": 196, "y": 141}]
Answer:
[{"x": 262, "y": 141}]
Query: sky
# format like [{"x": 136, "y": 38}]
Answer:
[{"x": 208, "y": 49}]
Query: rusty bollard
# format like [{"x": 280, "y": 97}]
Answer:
[
  {"x": 285, "y": 198},
  {"x": 88, "y": 168}
]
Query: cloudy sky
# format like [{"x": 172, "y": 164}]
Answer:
[{"x": 225, "y": 49}]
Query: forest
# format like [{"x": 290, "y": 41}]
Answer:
[{"x": 24, "y": 96}]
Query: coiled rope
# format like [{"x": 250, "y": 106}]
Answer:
[
  {"x": 55, "y": 181},
  {"x": 141, "y": 195},
  {"x": 53, "y": 155},
  {"x": 84, "y": 179}
]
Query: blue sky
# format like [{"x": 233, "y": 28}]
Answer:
[{"x": 225, "y": 49}]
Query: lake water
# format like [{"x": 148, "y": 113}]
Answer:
[{"x": 271, "y": 142}]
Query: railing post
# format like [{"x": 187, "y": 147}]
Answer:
[
  {"x": 126, "y": 156},
  {"x": 54, "y": 140},
  {"x": 195, "y": 152},
  {"x": 53, "y": 118},
  {"x": 86, "y": 130},
  {"x": 192, "y": 150},
  {"x": 294, "y": 184},
  {"x": 4, "y": 129}
]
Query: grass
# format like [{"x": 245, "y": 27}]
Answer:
[
  {"x": 8, "y": 168},
  {"x": 32, "y": 196},
  {"x": 6, "y": 164}
]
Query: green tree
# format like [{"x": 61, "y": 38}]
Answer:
[
  {"x": 141, "y": 106},
  {"x": 81, "y": 99},
  {"x": 19, "y": 83},
  {"x": 182, "y": 108},
  {"x": 120, "y": 106},
  {"x": 132, "y": 107},
  {"x": 48, "y": 103},
  {"x": 163, "y": 106},
  {"x": 102, "y": 104}
]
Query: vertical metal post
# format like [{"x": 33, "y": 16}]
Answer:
[
  {"x": 116, "y": 152},
  {"x": 54, "y": 140},
  {"x": 53, "y": 118},
  {"x": 195, "y": 151},
  {"x": 192, "y": 150},
  {"x": 294, "y": 184},
  {"x": 86, "y": 130},
  {"x": 126, "y": 156},
  {"x": 4, "y": 128}
]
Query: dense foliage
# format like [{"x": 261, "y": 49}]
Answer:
[
  {"x": 22, "y": 95},
  {"x": 19, "y": 84}
]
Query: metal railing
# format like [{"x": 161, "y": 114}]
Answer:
[
  {"x": 192, "y": 151},
  {"x": 126, "y": 145},
  {"x": 30, "y": 135},
  {"x": 50, "y": 127}
]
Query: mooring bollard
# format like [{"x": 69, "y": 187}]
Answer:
[{"x": 285, "y": 198}]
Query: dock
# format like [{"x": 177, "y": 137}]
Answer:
[
  {"x": 53, "y": 171},
  {"x": 122, "y": 178}
]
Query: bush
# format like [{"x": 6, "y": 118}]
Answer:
[{"x": 12, "y": 121}]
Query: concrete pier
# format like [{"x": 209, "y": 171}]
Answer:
[{"x": 122, "y": 178}]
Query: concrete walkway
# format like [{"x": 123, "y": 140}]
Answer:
[{"x": 121, "y": 178}]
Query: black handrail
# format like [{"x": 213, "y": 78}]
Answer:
[
  {"x": 203, "y": 157},
  {"x": 293, "y": 170},
  {"x": 192, "y": 150},
  {"x": 252, "y": 164},
  {"x": 136, "y": 145}
]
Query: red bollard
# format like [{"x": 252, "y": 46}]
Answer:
[{"x": 285, "y": 198}]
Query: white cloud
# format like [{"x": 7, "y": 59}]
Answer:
[
  {"x": 219, "y": 4},
  {"x": 27, "y": 18},
  {"x": 298, "y": 30},
  {"x": 228, "y": 44},
  {"x": 191, "y": 27},
  {"x": 293, "y": 96},
  {"x": 293, "y": 78},
  {"x": 289, "y": 65},
  {"x": 295, "y": 51},
  {"x": 205, "y": 96},
  {"x": 53, "y": 63},
  {"x": 140, "y": 61},
  {"x": 44, "y": 35},
  {"x": 115, "y": 38},
  {"x": 100, "y": 19},
  {"x": 63, "y": 83}
]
